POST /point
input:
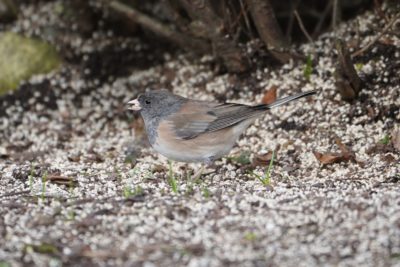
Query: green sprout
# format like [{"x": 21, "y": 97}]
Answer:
[
  {"x": 359, "y": 66},
  {"x": 385, "y": 140},
  {"x": 190, "y": 184},
  {"x": 71, "y": 214},
  {"x": 250, "y": 236},
  {"x": 44, "y": 248},
  {"x": 308, "y": 68},
  {"x": 206, "y": 192},
  {"x": 266, "y": 179},
  {"x": 128, "y": 192},
  {"x": 171, "y": 179},
  {"x": 4, "y": 264}
]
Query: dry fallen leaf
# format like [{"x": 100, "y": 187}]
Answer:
[
  {"x": 270, "y": 95},
  {"x": 346, "y": 152},
  {"x": 263, "y": 159},
  {"x": 61, "y": 180},
  {"x": 329, "y": 158}
]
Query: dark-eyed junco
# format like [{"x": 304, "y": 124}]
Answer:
[{"x": 189, "y": 130}]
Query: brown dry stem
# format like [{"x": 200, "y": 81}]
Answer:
[
  {"x": 267, "y": 26},
  {"x": 186, "y": 42},
  {"x": 348, "y": 83}
]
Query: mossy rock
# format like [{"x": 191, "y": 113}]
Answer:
[{"x": 21, "y": 58}]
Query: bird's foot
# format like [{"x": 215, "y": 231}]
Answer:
[{"x": 198, "y": 173}]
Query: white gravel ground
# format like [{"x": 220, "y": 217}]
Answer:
[{"x": 118, "y": 208}]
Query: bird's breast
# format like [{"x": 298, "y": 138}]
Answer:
[{"x": 198, "y": 149}]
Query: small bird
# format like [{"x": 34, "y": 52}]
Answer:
[{"x": 189, "y": 130}]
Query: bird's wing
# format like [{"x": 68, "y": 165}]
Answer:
[{"x": 197, "y": 117}]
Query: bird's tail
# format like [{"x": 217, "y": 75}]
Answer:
[{"x": 285, "y": 100}]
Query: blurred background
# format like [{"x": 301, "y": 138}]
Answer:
[{"x": 106, "y": 39}]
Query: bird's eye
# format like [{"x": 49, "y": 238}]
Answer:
[{"x": 148, "y": 102}]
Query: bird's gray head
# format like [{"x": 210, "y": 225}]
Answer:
[{"x": 156, "y": 104}]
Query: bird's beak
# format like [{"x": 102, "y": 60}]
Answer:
[{"x": 134, "y": 105}]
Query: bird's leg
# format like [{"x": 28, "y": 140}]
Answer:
[
  {"x": 198, "y": 173},
  {"x": 209, "y": 162}
]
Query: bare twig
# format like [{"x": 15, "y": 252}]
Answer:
[
  {"x": 335, "y": 14},
  {"x": 244, "y": 10},
  {"x": 289, "y": 28},
  {"x": 235, "y": 27},
  {"x": 379, "y": 36},
  {"x": 303, "y": 29},
  {"x": 322, "y": 18},
  {"x": 186, "y": 42},
  {"x": 358, "y": 34},
  {"x": 62, "y": 180},
  {"x": 235, "y": 22}
]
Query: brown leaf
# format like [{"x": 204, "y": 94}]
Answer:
[
  {"x": 61, "y": 180},
  {"x": 270, "y": 95},
  {"x": 262, "y": 159},
  {"x": 346, "y": 152},
  {"x": 328, "y": 158}
]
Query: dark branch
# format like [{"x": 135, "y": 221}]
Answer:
[
  {"x": 267, "y": 26},
  {"x": 186, "y": 42}
]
